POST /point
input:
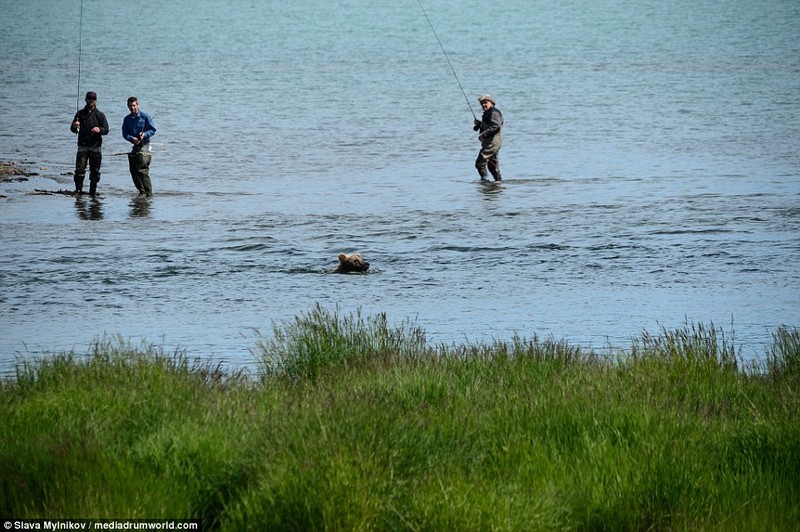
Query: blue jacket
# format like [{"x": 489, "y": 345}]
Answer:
[{"x": 132, "y": 126}]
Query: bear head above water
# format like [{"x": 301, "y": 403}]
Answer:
[{"x": 354, "y": 263}]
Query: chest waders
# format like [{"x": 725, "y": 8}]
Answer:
[{"x": 139, "y": 165}]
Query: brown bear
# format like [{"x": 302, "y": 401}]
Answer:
[{"x": 351, "y": 264}]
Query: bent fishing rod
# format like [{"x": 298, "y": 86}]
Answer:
[{"x": 448, "y": 59}]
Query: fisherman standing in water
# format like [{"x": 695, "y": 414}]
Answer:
[
  {"x": 491, "y": 138},
  {"x": 137, "y": 128},
  {"x": 90, "y": 124}
]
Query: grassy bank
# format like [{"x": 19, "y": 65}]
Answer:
[{"x": 353, "y": 424}]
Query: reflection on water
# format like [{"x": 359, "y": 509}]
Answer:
[
  {"x": 140, "y": 207},
  {"x": 490, "y": 189},
  {"x": 88, "y": 208}
]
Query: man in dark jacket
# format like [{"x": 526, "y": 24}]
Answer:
[
  {"x": 90, "y": 124},
  {"x": 491, "y": 137}
]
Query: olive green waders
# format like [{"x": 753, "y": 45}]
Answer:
[{"x": 139, "y": 164}]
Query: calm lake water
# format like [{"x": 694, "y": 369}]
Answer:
[{"x": 651, "y": 157}]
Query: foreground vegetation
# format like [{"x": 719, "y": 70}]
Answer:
[{"x": 351, "y": 424}]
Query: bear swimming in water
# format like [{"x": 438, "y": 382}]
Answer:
[{"x": 354, "y": 263}]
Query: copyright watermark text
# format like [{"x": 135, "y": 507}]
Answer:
[{"x": 192, "y": 525}]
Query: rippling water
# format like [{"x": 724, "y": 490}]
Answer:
[{"x": 651, "y": 161}]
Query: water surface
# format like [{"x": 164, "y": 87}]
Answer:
[{"x": 651, "y": 161}]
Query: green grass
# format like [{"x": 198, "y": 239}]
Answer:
[{"x": 352, "y": 424}]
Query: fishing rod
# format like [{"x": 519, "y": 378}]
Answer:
[
  {"x": 80, "y": 54},
  {"x": 448, "y": 59},
  {"x": 144, "y": 122}
]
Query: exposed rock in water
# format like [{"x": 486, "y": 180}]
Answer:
[{"x": 10, "y": 172}]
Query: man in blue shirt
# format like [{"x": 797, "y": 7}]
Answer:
[{"x": 137, "y": 128}]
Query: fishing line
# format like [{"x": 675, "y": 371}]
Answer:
[
  {"x": 448, "y": 59},
  {"x": 80, "y": 53}
]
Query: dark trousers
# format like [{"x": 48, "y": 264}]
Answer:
[
  {"x": 492, "y": 162},
  {"x": 139, "y": 166},
  {"x": 92, "y": 156}
]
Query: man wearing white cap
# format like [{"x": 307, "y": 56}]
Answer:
[{"x": 490, "y": 126}]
